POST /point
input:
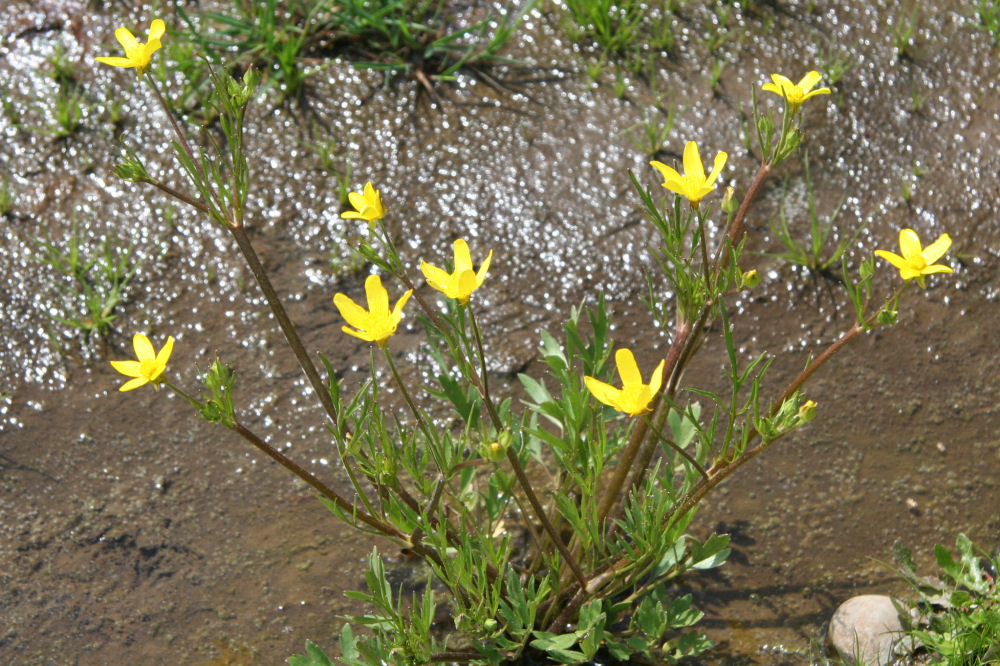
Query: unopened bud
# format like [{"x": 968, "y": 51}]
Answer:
[
  {"x": 132, "y": 171},
  {"x": 729, "y": 203},
  {"x": 241, "y": 94},
  {"x": 807, "y": 411},
  {"x": 749, "y": 279},
  {"x": 888, "y": 316}
]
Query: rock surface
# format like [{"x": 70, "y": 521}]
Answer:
[{"x": 864, "y": 629}]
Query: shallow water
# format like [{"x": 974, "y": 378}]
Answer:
[{"x": 130, "y": 532}]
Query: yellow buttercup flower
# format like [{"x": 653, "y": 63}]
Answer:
[
  {"x": 796, "y": 93},
  {"x": 917, "y": 261},
  {"x": 377, "y": 323},
  {"x": 693, "y": 184},
  {"x": 150, "y": 365},
  {"x": 367, "y": 205},
  {"x": 461, "y": 282},
  {"x": 633, "y": 397},
  {"x": 136, "y": 54}
]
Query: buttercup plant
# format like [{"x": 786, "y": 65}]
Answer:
[{"x": 554, "y": 526}]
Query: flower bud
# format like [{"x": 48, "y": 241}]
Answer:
[
  {"x": 888, "y": 316},
  {"x": 749, "y": 279},
  {"x": 132, "y": 171},
  {"x": 729, "y": 203},
  {"x": 807, "y": 411}
]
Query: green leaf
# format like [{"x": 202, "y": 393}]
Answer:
[
  {"x": 553, "y": 352},
  {"x": 314, "y": 656},
  {"x": 682, "y": 613},
  {"x": 671, "y": 558},
  {"x": 710, "y": 554}
]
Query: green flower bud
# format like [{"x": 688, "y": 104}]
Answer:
[
  {"x": 132, "y": 171},
  {"x": 749, "y": 279},
  {"x": 729, "y": 203},
  {"x": 807, "y": 412},
  {"x": 888, "y": 316}
]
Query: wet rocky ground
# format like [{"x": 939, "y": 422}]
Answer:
[{"x": 132, "y": 532}]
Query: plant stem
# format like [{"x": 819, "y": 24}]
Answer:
[
  {"x": 718, "y": 474},
  {"x": 285, "y": 323},
  {"x": 421, "y": 421},
  {"x": 656, "y": 430},
  {"x": 180, "y": 196},
  {"x": 320, "y": 487},
  {"x": 481, "y": 387},
  {"x": 181, "y": 138},
  {"x": 741, "y": 213},
  {"x": 539, "y": 510}
]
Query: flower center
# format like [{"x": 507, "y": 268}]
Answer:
[{"x": 149, "y": 369}]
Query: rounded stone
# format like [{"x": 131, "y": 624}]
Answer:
[{"x": 864, "y": 630}]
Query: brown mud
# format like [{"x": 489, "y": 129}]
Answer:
[{"x": 131, "y": 532}]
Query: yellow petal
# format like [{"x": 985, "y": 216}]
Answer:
[
  {"x": 463, "y": 259},
  {"x": 436, "y": 277},
  {"x": 361, "y": 335},
  {"x": 164, "y": 354},
  {"x": 466, "y": 285},
  {"x": 151, "y": 47},
  {"x": 127, "y": 40},
  {"x": 357, "y": 200},
  {"x": 783, "y": 83},
  {"x": 909, "y": 244},
  {"x": 809, "y": 80},
  {"x": 156, "y": 29},
  {"x": 637, "y": 401},
  {"x": 604, "y": 393},
  {"x": 143, "y": 348},
  {"x": 397, "y": 312},
  {"x": 128, "y": 368},
  {"x": 133, "y": 384},
  {"x": 771, "y": 87},
  {"x": 656, "y": 380},
  {"x": 678, "y": 185},
  {"x": 115, "y": 61},
  {"x": 818, "y": 91},
  {"x": 668, "y": 173},
  {"x": 692, "y": 161},
  {"x": 485, "y": 266},
  {"x": 353, "y": 314},
  {"x": 936, "y": 250},
  {"x": 628, "y": 370},
  {"x": 720, "y": 162},
  {"x": 936, "y": 268},
  {"x": 378, "y": 297},
  {"x": 893, "y": 259}
]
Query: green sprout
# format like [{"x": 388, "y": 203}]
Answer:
[
  {"x": 813, "y": 253},
  {"x": 92, "y": 285},
  {"x": 988, "y": 18}
]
